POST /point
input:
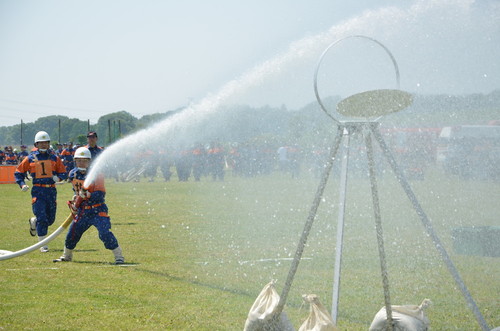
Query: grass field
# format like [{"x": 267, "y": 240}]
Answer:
[{"x": 198, "y": 254}]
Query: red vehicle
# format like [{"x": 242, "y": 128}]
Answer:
[{"x": 413, "y": 148}]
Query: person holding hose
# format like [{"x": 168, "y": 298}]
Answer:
[
  {"x": 89, "y": 208},
  {"x": 46, "y": 169}
]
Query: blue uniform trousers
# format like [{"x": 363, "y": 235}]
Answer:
[
  {"x": 84, "y": 220},
  {"x": 44, "y": 205}
]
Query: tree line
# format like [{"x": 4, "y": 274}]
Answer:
[
  {"x": 109, "y": 128},
  {"x": 241, "y": 123}
]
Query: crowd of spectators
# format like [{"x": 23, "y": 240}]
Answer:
[
  {"x": 12, "y": 156},
  {"x": 213, "y": 160}
]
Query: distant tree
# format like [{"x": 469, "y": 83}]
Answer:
[
  {"x": 73, "y": 129},
  {"x": 81, "y": 139},
  {"x": 148, "y": 120},
  {"x": 111, "y": 126}
]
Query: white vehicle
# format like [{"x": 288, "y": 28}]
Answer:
[{"x": 469, "y": 150}]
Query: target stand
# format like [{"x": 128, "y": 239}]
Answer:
[{"x": 363, "y": 110}]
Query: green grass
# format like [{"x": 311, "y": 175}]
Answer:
[{"x": 197, "y": 255}]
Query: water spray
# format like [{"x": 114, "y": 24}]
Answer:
[{"x": 363, "y": 111}]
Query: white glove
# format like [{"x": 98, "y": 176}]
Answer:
[
  {"x": 73, "y": 208},
  {"x": 84, "y": 194},
  {"x": 24, "y": 188},
  {"x": 71, "y": 205},
  {"x": 56, "y": 179}
]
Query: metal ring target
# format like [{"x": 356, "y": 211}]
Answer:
[{"x": 323, "y": 107}]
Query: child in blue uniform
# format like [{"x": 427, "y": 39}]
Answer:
[
  {"x": 89, "y": 208},
  {"x": 67, "y": 157},
  {"x": 23, "y": 153},
  {"x": 10, "y": 156},
  {"x": 46, "y": 169}
]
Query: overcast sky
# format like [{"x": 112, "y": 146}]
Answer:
[{"x": 88, "y": 58}]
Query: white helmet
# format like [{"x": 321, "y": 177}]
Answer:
[
  {"x": 42, "y": 136},
  {"x": 82, "y": 153}
]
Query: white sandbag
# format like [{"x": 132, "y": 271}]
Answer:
[
  {"x": 319, "y": 319},
  {"x": 405, "y": 318},
  {"x": 262, "y": 315}
]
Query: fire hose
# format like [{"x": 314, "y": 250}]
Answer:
[{"x": 5, "y": 255}]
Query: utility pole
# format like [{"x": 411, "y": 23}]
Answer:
[{"x": 109, "y": 132}]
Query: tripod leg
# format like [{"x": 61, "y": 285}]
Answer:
[
  {"x": 429, "y": 228},
  {"x": 378, "y": 227},
  {"x": 340, "y": 226},
  {"x": 309, "y": 222}
]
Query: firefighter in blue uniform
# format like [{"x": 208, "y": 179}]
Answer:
[
  {"x": 89, "y": 208},
  {"x": 67, "y": 157},
  {"x": 92, "y": 144},
  {"x": 216, "y": 161},
  {"x": 46, "y": 169},
  {"x": 59, "y": 149},
  {"x": 23, "y": 153},
  {"x": 10, "y": 156}
]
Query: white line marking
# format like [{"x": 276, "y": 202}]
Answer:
[
  {"x": 32, "y": 269},
  {"x": 86, "y": 267},
  {"x": 273, "y": 260},
  {"x": 260, "y": 260}
]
